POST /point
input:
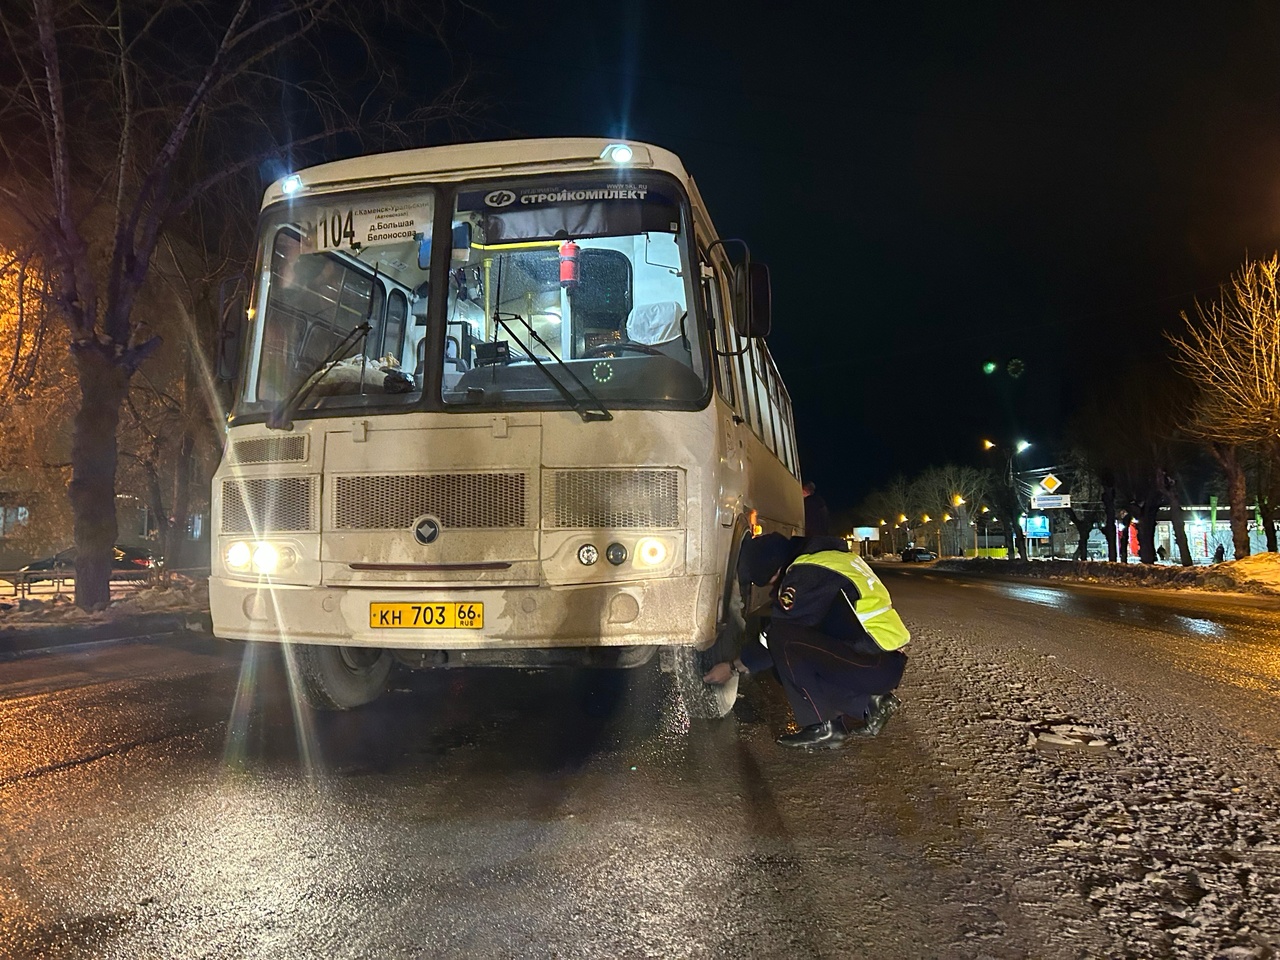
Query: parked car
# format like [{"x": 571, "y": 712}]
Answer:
[
  {"x": 128, "y": 563},
  {"x": 917, "y": 555}
]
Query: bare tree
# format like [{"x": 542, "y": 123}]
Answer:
[
  {"x": 1231, "y": 352},
  {"x": 115, "y": 119},
  {"x": 1086, "y": 512}
]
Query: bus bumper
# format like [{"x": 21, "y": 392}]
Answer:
[{"x": 679, "y": 610}]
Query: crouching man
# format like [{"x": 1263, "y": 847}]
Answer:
[{"x": 833, "y": 637}]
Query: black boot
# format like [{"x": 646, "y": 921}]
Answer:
[
  {"x": 883, "y": 706},
  {"x": 816, "y": 736}
]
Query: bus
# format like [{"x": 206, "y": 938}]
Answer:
[{"x": 497, "y": 404}]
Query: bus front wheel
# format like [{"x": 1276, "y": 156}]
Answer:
[
  {"x": 338, "y": 678},
  {"x": 703, "y": 701}
]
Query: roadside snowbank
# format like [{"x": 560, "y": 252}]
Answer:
[
  {"x": 179, "y": 594},
  {"x": 1256, "y": 574}
]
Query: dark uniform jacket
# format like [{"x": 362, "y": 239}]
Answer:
[{"x": 814, "y": 596}]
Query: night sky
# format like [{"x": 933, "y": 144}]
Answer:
[{"x": 932, "y": 187}]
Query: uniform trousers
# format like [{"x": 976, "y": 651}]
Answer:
[{"x": 825, "y": 678}]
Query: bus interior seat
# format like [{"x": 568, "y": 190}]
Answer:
[
  {"x": 661, "y": 325},
  {"x": 453, "y": 355}
]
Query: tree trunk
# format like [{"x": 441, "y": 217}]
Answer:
[
  {"x": 1269, "y": 526},
  {"x": 103, "y": 385},
  {"x": 1109, "y": 506},
  {"x": 1083, "y": 529},
  {"x": 1268, "y": 502},
  {"x": 1228, "y": 458},
  {"x": 155, "y": 498},
  {"x": 1148, "y": 511},
  {"x": 1175, "y": 517},
  {"x": 1011, "y": 508},
  {"x": 177, "y": 534},
  {"x": 1272, "y": 487}
]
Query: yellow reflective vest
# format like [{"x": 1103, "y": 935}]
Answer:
[{"x": 874, "y": 608}]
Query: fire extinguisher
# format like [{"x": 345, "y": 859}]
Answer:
[{"x": 568, "y": 264}]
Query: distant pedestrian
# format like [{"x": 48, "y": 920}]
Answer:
[
  {"x": 1161, "y": 553},
  {"x": 817, "y": 518},
  {"x": 1220, "y": 554}
]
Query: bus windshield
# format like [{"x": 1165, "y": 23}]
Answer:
[
  {"x": 343, "y": 281},
  {"x": 584, "y": 280},
  {"x": 573, "y": 291}
]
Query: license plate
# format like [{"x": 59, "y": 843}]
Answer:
[{"x": 429, "y": 616}]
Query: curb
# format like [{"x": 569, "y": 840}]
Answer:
[{"x": 34, "y": 638}]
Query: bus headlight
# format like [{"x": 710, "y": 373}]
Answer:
[
  {"x": 651, "y": 551},
  {"x": 239, "y": 555},
  {"x": 260, "y": 557},
  {"x": 266, "y": 558},
  {"x": 588, "y": 554}
]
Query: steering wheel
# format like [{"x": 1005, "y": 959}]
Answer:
[{"x": 600, "y": 349}]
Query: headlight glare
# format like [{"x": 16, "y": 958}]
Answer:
[
  {"x": 266, "y": 558},
  {"x": 239, "y": 555},
  {"x": 259, "y": 557},
  {"x": 651, "y": 551}
]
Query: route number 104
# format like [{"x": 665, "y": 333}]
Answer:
[{"x": 336, "y": 229}]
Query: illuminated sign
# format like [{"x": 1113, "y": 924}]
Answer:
[{"x": 1035, "y": 527}]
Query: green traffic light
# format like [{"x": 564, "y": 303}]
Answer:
[{"x": 989, "y": 367}]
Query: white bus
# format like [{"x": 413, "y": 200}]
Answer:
[{"x": 497, "y": 404}]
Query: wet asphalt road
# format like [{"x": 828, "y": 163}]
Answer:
[{"x": 166, "y": 799}]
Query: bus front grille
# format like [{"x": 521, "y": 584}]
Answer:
[
  {"x": 616, "y": 499},
  {"x": 459, "y": 500},
  {"x": 270, "y": 450},
  {"x": 263, "y": 505}
]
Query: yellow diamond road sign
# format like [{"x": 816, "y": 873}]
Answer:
[{"x": 1051, "y": 483}]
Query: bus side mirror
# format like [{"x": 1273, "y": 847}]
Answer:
[
  {"x": 754, "y": 314},
  {"x": 230, "y": 325}
]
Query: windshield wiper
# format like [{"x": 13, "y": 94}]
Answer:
[
  {"x": 281, "y": 418},
  {"x": 583, "y": 410}
]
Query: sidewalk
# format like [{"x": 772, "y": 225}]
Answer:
[
  {"x": 26, "y": 639},
  {"x": 50, "y": 621}
]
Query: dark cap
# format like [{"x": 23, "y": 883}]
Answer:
[{"x": 762, "y": 557}]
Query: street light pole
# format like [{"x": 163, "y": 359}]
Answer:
[{"x": 1012, "y": 533}]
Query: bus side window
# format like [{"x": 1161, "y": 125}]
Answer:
[
  {"x": 393, "y": 329},
  {"x": 748, "y": 403},
  {"x": 765, "y": 390},
  {"x": 720, "y": 327}
]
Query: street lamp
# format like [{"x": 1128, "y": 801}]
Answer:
[{"x": 1012, "y": 450}]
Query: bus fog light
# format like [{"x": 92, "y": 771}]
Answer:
[
  {"x": 238, "y": 555},
  {"x": 616, "y": 554},
  {"x": 266, "y": 558},
  {"x": 588, "y": 554},
  {"x": 650, "y": 551}
]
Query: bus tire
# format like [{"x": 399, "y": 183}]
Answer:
[
  {"x": 338, "y": 678},
  {"x": 702, "y": 700}
]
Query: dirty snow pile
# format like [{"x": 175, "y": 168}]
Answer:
[
  {"x": 178, "y": 595},
  {"x": 1259, "y": 573}
]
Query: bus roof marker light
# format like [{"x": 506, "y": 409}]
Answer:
[
  {"x": 617, "y": 153},
  {"x": 291, "y": 184}
]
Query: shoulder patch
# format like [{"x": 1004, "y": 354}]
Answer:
[{"x": 787, "y": 598}]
